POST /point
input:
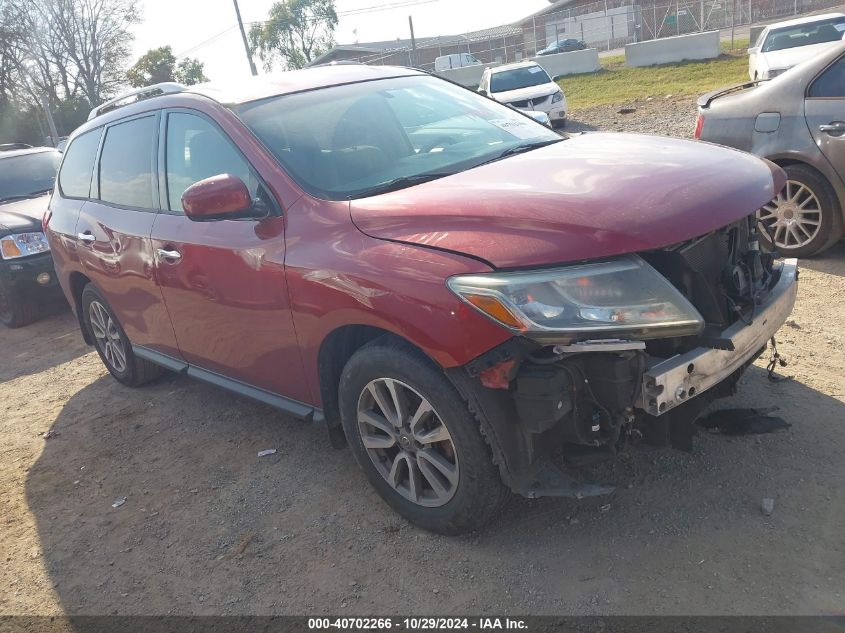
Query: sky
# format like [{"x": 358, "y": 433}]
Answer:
[{"x": 207, "y": 29}]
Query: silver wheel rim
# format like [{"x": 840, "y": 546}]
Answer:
[
  {"x": 408, "y": 442},
  {"x": 108, "y": 336},
  {"x": 794, "y": 218}
]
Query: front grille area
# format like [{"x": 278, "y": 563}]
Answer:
[
  {"x": 529, "y": 103},
  {"x": 723, "y": 273}
]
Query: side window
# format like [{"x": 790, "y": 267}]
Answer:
[
  {"x": 126, "y": 163},
  {"x": 197, "y": 150},
  {"x": 78, "y": 165},
  {"x": 831, "y": 83}
]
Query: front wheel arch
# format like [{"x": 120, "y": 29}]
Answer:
[{"x": 335, "y": 351}]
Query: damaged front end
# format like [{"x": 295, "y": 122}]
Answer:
[{"x": 634, "y": 345}]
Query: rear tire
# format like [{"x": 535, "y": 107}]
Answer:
[
  {"x": 112, "y": 344},
  {"x": 17, "y": 310},
  {"x": 471, "y": 491},
  {"x": 805, "y": 218}
]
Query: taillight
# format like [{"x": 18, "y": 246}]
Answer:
[{"x": 699, "y": 123}]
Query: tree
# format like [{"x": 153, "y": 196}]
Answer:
[
  {"x": 97, "y": 39},
  {"x": 155, "y": 66},
  {"x": 72, "y": 47},
  {"x": 190, "y": 71},
  {"x": 296, "y": 32},
  {"x": 69, "y": 55},
  {"x": 158, "y": 65}
]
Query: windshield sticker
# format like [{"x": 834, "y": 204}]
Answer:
[
  {"x": 535, "y": 69},
  {"x": 520, "y": 129},
  {"x": 840, "y": 27}
]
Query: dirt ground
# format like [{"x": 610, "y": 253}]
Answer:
[{"x": 210, "y": 528}]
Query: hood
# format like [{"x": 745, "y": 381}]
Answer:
[
  {"x": 587, "y": 197},
  {"x": 532, "y": 92},
  {"x": 790, "y": 57},
  {"x": 23, "y": 215}
]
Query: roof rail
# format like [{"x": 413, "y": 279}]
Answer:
[{"x": 140, "y": 94}]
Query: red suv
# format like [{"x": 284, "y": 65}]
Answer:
[{"x": 466, "y": 298}]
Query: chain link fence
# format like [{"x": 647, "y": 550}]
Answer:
[{"x": 603, "y": 24}]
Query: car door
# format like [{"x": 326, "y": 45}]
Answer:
[
  {"x": 224, "y": 281},
  {"x": 824, "y": 108},
  {"x": 113, "y": 231},
  {"x": 73, "y": 187}
]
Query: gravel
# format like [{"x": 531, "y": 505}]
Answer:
[{"x": 669, "y": 116}]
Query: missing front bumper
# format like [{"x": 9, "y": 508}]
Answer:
[{"x": 674, "y": 381}]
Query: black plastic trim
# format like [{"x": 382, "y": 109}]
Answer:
[
  {"x": 288, "y": 405},
  {"x": 168, "y": 362}
]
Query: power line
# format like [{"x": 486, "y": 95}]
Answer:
[
  {"x": 204, "y": 43},
  {"x": 363, "y": 10},
  {"x": 350, "y": 12}
]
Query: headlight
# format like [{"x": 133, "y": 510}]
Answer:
[
  {"x": 623, "y": 297},
  {"x": 558, "y": 97},
  {"x": 774, "y": 72},
  {"x": 23, "y": 244}
]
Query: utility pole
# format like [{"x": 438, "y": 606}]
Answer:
[
  {"x": 413, "y": 43},
  {"x": 243, "y": 37},
  {"x": 54, "y": 134}
]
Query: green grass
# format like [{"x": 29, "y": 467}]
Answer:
[{"x": 617, "y": 84}]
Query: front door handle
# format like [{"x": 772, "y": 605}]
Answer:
[
  {"x": 169, "y": 255},
  {"x": 86, "y": 237},
  {"x": 836, "y": 128}
]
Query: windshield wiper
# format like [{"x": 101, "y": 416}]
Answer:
[
  {"x": 519, "y": 149},
  {"x": 405, "y": 181}
]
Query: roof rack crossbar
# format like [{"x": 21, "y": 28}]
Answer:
[{"x": 140, "y": 94}]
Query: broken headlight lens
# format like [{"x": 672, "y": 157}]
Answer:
[{"x": 623, "y": 297}]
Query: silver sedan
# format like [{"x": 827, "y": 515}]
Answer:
[{"x": 796, "y": 120}]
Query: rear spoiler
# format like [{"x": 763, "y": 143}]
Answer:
[{"x": 705, "y": 100}]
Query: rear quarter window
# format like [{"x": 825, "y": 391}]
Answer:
[
  {"x": 831, "y": 83},
  {"x": 78, "y": 165}
]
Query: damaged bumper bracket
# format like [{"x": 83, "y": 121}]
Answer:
[{"x": 673, "y": 381}]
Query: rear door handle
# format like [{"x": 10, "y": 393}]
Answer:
[
  {"x": 86, "y": 237},
  {"x": 170, "y": 255},
  {"x": 836, "y": 128}
]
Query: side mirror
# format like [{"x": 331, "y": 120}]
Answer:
[
  {"x": 220, "y": 197},
  {"x": 753, "y": 50}
]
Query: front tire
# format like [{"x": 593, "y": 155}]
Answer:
[
  {"x": 16, "y": 310},
  {"x": 805, "y": 218},
  {"x": 416, "y": 440},
  {"x": 112, "y": 344}
]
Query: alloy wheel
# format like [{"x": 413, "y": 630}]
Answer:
[
  {"x": 793, "y": 219},
  {"x": 408, "y": 442},
  {"x": 108, "y": 336}
]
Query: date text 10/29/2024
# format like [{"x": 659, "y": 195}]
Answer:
[{"x": 417, "y": 624}]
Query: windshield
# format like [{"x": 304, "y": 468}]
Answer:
[
  {"x": 830, "y": 30},
  {"x": 358, "y": 140},
  {"x": 27, "y": 174},
  {"x": 517, "y": 78}
]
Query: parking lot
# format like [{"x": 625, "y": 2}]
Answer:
[{"x": 208, "y": 527}]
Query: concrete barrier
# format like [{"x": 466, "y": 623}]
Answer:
[
  {"x": 574, "y": 62},
  {"x": 469, "y": 76},
  {"x": 673, "y": 49}
]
